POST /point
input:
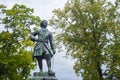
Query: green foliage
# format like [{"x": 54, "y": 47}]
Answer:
[
  {"x": 90, "y": 31},
  {"x": 15, "y": 54}
]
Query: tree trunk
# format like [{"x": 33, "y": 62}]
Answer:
[{"x": 99, "y": 70}]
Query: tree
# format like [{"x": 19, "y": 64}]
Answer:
[
  {"x": 90, "y": 31},
  {"x": 15, "y": 54}
]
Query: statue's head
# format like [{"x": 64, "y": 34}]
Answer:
[{"x": 44, "y": 23}]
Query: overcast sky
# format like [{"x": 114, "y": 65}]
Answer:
[{"x": 43, "y": 8}]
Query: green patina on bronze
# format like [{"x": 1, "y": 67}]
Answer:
[{"x": 44, "y": 48}]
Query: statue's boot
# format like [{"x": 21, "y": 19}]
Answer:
[
  {"x": 40, "y": 65},
  {"x": 49, "y": 65}
]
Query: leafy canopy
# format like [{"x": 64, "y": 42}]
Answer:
[
  {"x": 15, "y": 54},
  {"x": 90, "y": 30}
]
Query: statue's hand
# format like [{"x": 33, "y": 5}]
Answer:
[
  {"x": 33, "y": 38},
  {"x": 53, "y": 53}
]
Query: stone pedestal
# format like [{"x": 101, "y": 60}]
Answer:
[{"x": 43, "y": 76}]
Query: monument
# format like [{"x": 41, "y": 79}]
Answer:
[{"x": 44, "y": 49}]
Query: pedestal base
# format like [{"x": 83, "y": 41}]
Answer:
[{"x": 43, "y": 76}]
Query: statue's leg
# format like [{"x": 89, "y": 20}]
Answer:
[
  {"x": 49, "y": 64},
  {"x": 40, "y": 64},
  {"x": 48, "y": 61}
]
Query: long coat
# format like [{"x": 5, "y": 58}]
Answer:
[{"x": 44, "y": 42}]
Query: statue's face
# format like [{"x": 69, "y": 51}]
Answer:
[{"x": 44, "y": 23}]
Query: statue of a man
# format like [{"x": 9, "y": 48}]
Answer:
[{"x": 44, "y": 48}]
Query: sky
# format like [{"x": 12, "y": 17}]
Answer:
[{"x": 62, "y": 66}]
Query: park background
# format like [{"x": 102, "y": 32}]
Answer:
[{"x": 100, "y": 48}]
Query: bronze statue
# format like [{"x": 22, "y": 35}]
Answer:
[{"x": 44, "y": 48}]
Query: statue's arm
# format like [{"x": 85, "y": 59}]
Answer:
[
  {"x": 52, "y": 43},
  {"x": 32, "y": 36}
]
